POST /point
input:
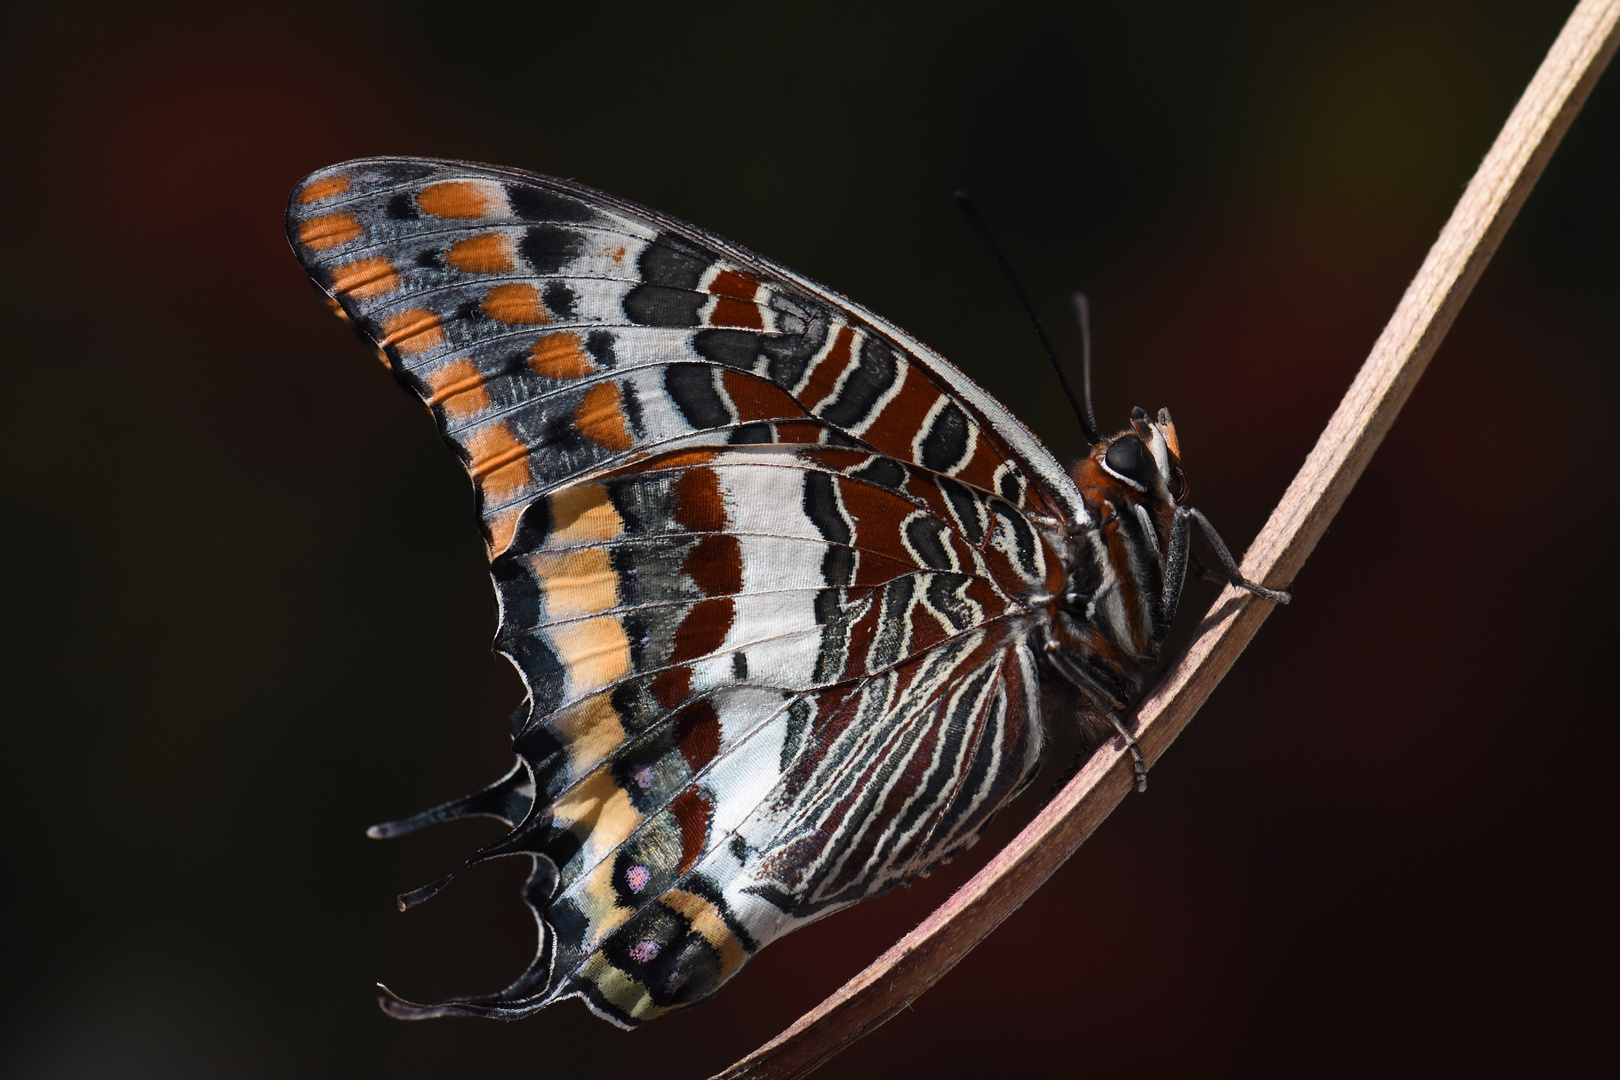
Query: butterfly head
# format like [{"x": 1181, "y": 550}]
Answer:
[{"x": 1146, "y": 457}]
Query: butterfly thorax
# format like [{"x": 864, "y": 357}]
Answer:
[{"x": 1104, "y": 630}]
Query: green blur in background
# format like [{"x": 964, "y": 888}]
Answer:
[{"x": 249, "y": 613}]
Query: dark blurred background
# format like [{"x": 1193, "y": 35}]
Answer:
[{"x": 249, "y": 615}]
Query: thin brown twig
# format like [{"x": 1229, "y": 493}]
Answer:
[{"x": 1364, "y": 416}]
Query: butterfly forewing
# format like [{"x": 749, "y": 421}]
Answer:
[{"x": 763, "y": 563}]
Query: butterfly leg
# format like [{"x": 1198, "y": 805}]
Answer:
[
  {"x": 1228, "y": 564},
  {"x": 1130, "y": 744},
  {"x": 1080, "y": 759}
]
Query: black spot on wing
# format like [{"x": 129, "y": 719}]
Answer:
[
  {"x": 538, "y": 204},
  {"x": 1023, "y": 536},
  {"x": 837, "y": 569},
  {"x": 533, "y": 526},
  {"x": 554, "y": 436},
  {"x": 548, "y": 248},
  {"x": 834, "y": 437},
  {"x": 599, "y": 343},
  {"x": 402, "y": 207},
  {"x": 838, "y": 562},
  {"x": 734, "y": 348},
  {"x": 946, "y": 442},
  {"x": 925, "y": 536},
  {"x": 520, "y": 593},
  {"x": 541, "y": 668},
  {"x": 821, "y": 507},
  {"x": 535, "y": 741},
  {"x": 658, "y": 305},
  {"x": 559, "y": 300},
  {"x": 1011, "y": 488},
  {"x": 882, "y": 471},
  {"x": 862, "y": 389},
  {"x": 964, "y": 507},
  {"x": 944, "y": 594},
  {"x": 692, "y": 388},
  {"x": 673, "y": 262},
  {"x": 630, "y": 401}
]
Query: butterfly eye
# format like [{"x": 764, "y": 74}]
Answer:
[{"x": 1130, "y": 460}]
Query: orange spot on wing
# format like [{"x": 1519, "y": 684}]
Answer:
[
  {"x": 599, "y": 812},
  {"x": 501, "y": 529},
  {"x": 328, "y": 231},
  {"x": 697, "y": 733},
  {"x": 486, "y": 253},
  {"x": 365, "y": 278},
  {"x": 594, "y": 652},
  {"x": 560, "y": 356},
  {"x": 734, "y": 285},
  {"x": 600, "y": 417},
  {"x": 715, "y": 565},
  {"x": 413, "y": 331},
  {"x": 737, "y": 313},
  {"x": 459, "y": 387},
  {"x": 691, "y": 809},
  {"x": 703, "y": 630},
  {"x": 735, "y": 306},
  {"x": 824, "y": 376},
  {"x": 454, "y": 199},
  {"x": 672, "y": 686},
  {"x": 576, "y": 581},
  {"x": 500, "y": 463},
  {"x": 754, "y": 398},
  {"x": 590, "y": 730},
  {"x": 699, "y": 506},
  {"x": 583, "y": 515},
  {"x": 324, "y": 189},
  {"x": 617, "y": 256},
  {"x": 799, "y": 433},
  {"x": 515, "y": 303},
  {"x": 680, "y": 459}
]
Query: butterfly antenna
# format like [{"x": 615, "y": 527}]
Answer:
[
  {"x": 1087, "y": 426},
  {"x": 1082, "y": 315}
]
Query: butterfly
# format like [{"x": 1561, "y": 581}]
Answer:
[{"x": 783, "y": 586}]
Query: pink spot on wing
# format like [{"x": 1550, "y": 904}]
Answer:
[
  {"x": 643, "y": 776},
  {"x": 643, "y": 952},
  {"x": 638, "y": 876}
]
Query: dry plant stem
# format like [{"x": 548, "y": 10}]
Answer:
[{"x": 1402, "y": 351}]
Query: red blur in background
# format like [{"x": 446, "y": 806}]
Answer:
[{"x": 251, "y": 616}]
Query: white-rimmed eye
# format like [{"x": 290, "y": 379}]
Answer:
[{"x": 1132, "y": 462}]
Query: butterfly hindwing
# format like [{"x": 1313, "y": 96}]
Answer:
[{"x": 762, "y": 561}]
